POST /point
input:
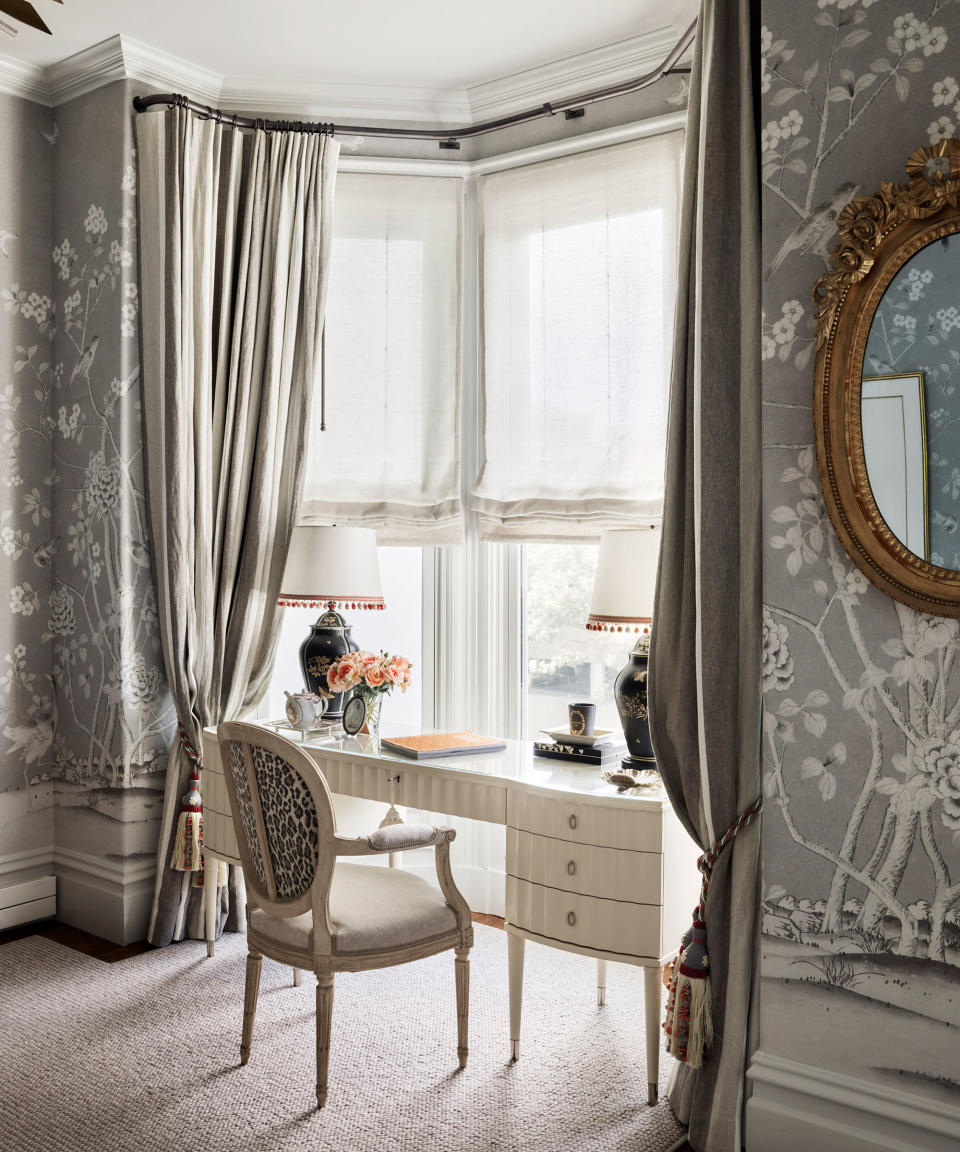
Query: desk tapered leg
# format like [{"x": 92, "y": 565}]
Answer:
[
  {"x": 601, "y": 983},
  {"x": 515, "y": 946},
  {"x": 211, "y": 867},
  {"x": 651, "y": 996}
]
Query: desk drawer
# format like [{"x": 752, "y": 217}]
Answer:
[
  {"x": 427, "y": 789},
  {"x": 607, "y": 925},
  {"x": 613, "y": 873},
  {"x": 637, "y": 829}
]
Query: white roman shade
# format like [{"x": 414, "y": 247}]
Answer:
[
  {"x": 579, "y": 281},
  {"x": 390, "y": 456}
]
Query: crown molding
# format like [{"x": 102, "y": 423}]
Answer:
[
  {"x": 123, "y": 58},
  {"x": 334, "y": 102},
  {"x": 600, "y": 68},
  {"x": 25, "y": 81}
]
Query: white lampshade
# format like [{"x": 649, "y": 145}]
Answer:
[
  {"x": 332, "y": 566},
  {"x": 626, "y": 579}
]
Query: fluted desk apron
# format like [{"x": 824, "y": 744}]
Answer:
[{"x": 589, "y": 871}]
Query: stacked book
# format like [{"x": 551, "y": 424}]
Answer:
[{"x": 599, "y": 755}]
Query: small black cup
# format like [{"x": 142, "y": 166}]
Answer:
[{"x": 582, "y": 719}]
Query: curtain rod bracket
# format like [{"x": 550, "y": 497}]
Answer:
[
  {"x": 454, "y": 145},
  {"x": 574, "y": 113}
]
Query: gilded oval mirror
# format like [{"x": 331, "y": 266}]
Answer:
[{"x": 887, "y": 384}]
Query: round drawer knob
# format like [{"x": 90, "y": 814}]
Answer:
[
  {"x": 571, "y": 867},
  {"x": 571, "y": 919},
  {"x": 573, "y": 821}
]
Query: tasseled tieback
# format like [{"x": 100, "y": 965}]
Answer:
[
  {"x": 689, "y": 1021},
  {"x": 188, "y": 848}
]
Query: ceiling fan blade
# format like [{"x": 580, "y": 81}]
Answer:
[{"x": 25, "y": 12}]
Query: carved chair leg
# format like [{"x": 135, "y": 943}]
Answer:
[
  {"x": 324, "y": 1015},
  {"x": 250, "y": 992},
  {"x": 296, "y": 977},
  {"x": 462, "y": 964}
]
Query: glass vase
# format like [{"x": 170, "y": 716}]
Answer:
[{"x": 373, "y": 702}]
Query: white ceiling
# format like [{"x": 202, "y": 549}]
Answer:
[{"x": 417, "y": 43}]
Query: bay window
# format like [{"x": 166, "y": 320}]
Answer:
[{"x": 497, "y": 358}]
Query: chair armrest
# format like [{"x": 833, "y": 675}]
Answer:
[{"x": 394, "y": 838}]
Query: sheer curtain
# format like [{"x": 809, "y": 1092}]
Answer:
[
  {"x": 390, "y": 457},
  {"x": 579, "y": 280}
]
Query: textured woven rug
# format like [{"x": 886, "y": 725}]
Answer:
[{"x": 143, "y": 1055}]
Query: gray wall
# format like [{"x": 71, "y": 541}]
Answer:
[
  {"x": 91, "y": 636},
  {"x": 27, "y": 380},
  {"x": 861, "y": 720}
]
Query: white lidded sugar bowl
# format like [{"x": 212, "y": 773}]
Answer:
[{"x": 305, "y": 709}]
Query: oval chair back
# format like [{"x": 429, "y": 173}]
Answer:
[{"x": 283, "y": 816}]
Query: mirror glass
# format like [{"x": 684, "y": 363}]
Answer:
[{"x": 910, "y": 403}]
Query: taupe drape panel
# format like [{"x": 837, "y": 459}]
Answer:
[
  {"x": 235, "y": 232},
  {"x": 705, "y": 655}
]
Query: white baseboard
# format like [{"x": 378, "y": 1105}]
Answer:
[
  {"x": 797, "y": 1107},
  {"x": 108, "y": 898},
  {"x": 105, "y": 897}
]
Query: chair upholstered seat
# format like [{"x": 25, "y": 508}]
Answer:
[{"x": 371, "y": 909}]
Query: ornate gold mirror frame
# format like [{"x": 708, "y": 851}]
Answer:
[{"x": 877, "y": 235}]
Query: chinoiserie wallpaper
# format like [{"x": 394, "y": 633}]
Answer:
[
  {"x": 917, "y": 329},
  {"x": 87, "y": 719},
  {"x": 27, "y": 698},
  {"x": 861, "y": 835}
]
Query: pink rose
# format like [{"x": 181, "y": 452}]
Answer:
[
  {"x": 375, "y": 676},
  {"x": 393, "y": 674}
]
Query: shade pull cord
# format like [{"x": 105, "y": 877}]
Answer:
[{"x": 323, "y": 377}]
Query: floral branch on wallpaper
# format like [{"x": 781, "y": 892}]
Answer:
[
  {"x": 901, "y": 795},
  {"x": 903, "y": 690},
  {"x": 107, "y": 715}
]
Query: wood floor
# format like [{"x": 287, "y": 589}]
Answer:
[{"x": 103, "y": 950}]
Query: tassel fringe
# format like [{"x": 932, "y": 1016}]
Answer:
[{"x": 187, "y": 855}]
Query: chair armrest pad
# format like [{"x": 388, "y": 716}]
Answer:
[{"x": 400, "y": 837}]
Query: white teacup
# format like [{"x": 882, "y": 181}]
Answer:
[{"x": 304, "y": 709}]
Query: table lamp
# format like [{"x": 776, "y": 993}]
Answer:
[
  {"x": 623, "y": 602},
  {"x": 330, "y": 568}
]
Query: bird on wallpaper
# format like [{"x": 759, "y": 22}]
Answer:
[
  {"x": 5, "y": 240},
  {"x": 82, "y": 366},
  {"x": 815, "y": 233},
  {"x": 51, "y": 137},
  {"x": 43, "y": 554}
]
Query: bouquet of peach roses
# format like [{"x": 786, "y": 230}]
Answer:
[
  {"x": 371, "y": 677},
  {"x": 370, "y": 674}
]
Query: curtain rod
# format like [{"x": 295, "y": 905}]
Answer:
[{"x": 572, "y": 107}]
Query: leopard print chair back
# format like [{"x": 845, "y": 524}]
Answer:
[{"x": 282, "y": 815}]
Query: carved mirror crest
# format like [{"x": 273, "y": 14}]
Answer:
[{"x": 887, "y": 385}]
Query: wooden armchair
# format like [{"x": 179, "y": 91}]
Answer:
[{"x": 307, "y": 909}]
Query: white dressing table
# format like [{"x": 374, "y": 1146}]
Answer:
[{"x": 589, "y": 871}]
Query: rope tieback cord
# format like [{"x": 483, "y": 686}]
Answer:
[
  {"x": 706, "y": 862},
  {"x": 689, "y": 1020},
  {"x": 191, "y": 753}
]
